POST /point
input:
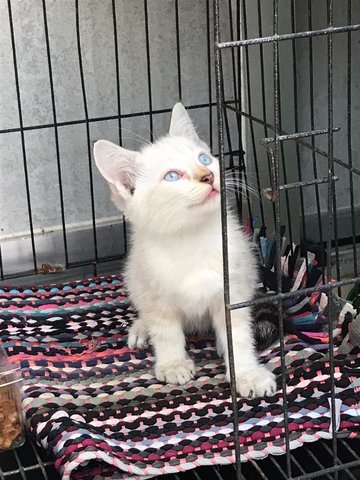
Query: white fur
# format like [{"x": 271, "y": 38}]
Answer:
[{"x": 175, "y": 271}]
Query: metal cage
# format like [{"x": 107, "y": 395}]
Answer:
[
  {"x": 253, "y": 139},
  {"x": 278, "y": 162}
]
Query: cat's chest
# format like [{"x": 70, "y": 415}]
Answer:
[
  {"x": 190, "y": 276},
  {"x": 182, "y": 263},
  {"x": 189, "y": 256}
]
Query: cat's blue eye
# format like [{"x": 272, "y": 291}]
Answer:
[
  {"x": 172, "y": 176},
  {"x": 205, "y": 159}
]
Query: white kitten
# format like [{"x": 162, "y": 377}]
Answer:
[{"x": 170, "y": 193}]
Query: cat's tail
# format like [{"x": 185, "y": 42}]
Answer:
[{"x": 266, "y": 325}]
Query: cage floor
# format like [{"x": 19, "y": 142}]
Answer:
[{"x": 27, "y": 463}]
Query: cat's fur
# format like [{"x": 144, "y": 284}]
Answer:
[
  {"x": 266, "y": 329},
  {"x": 175, "y": 271}
]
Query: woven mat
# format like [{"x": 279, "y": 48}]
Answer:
[{"x": 97, "y": 408}]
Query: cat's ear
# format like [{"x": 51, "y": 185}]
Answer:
[
  {"x": 117, "y": 165},
  {"x": 181, "y": 124}
]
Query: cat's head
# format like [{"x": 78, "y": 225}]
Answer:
[{"x": 170, "y": 185}]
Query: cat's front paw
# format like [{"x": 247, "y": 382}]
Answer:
[
  {"x": 175, "y": 372},
  {"x": 220, "y": 350},
  {"x": 259, "y": 382},
  {"x": 138, "y": 335}
]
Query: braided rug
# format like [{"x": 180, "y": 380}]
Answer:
[{"x": 96, "y": 407}]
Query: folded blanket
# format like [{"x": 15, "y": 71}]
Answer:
[{"x": 96, "y": 407}]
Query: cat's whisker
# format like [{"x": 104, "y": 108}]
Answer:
[
  {"x": 136, "y": 135},
  {"x": 243, "y": 187},
  {"x": 251, "y": 180},
  {"x": 135, "y": 140},
  {"x": 240, "y": 175},
  {"x": 153, "y": 134},
  {"x": 244, "y": 172},
  {"x": 243, "y": 190},
  {"x": 232, "y": 191}
]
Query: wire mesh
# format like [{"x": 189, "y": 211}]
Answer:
[
  {"x": 149, "y": 112},
  {"x": 276, "y": 154}
]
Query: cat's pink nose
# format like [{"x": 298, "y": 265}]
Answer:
[{"x": 207, "y": 178}]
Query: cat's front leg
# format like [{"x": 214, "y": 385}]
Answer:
[
  {"x": 172, "y": 364},
  {"x": 138, "y": 334},
  {"x": 252, "y": 378}
]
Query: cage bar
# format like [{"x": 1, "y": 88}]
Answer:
[
  {"x": 303, "y": 291},
  {"x": 330, "y": 213},
  {"x": 23, "y": 144},
  {"x": 289, "y": 36},
  {"x": 87, "y": 126},
  {"x": 102, "y": 119},
  {"x": 349, "y": 136},
  {"x": 241, "y": 165},
  {"x": 178, "y": 54},
  {"x": 296, "y": 125},
  {"x": 296, "y": 136},
  {"x": 220, "y": 119},
  {"x": 148, "y": 68},
  {"x": 118, "y": 98},
  {"x": 312, "y": 126},
  {"x": 275, "y": 171},
  {"x": 56, "y": 134},
  {"x": 209, "y": 71},
  {"x": 301, "y": 184},
  {"x": 263, "y": 95}
]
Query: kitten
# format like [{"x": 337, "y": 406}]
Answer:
[{"x": 170, "y": 193}]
